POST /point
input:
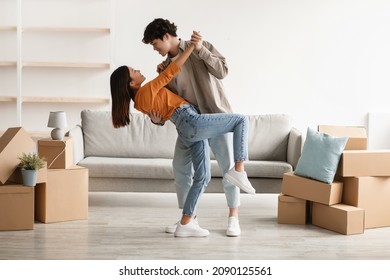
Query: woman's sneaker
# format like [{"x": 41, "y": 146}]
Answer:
[
  {"x": 240, "y": 179},
  {"x": 172, "y": 228},
  {"x": 192, "y": 229}
]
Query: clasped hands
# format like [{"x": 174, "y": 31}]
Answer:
[{"x": 196, "y": 40}]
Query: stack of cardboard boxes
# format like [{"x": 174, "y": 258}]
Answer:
[
  {"x": 65, "y": 195},
  {"x": 357, "y": 199},
  {"x": 61, "y": 193},
  {"x": 16, "y": 200}
]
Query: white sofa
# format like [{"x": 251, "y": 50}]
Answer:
[{"x": 138, "y": 158}]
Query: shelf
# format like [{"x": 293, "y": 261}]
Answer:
[
  {"x": 7, "y": 28},
  {"x": 43, "y": 99},
  {"x": 65, "y": 64},
  {"x": 7, "y": 63},
  {"x": 82, "y": 54},
  {"x": 7, "y": 98},
  {"x": 67, "y": 29},
  {"x": 34, "y": 134}
]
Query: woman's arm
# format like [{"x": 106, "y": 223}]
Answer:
[{"x": 184, "y": 55}]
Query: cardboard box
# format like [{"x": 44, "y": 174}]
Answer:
[
  {"x": 341, "y": 218},
  {"x": 364, "y": 163},
  {"x": 16, "y": 177},
  {"x": 292, "y": 210},
  {"x": 13, "y": 143},
  {"x": 64, "y": 197},
  {"x": 357, "y": 135},
  {"x": 58, "y": 153},
  {"x": 16, "y": 207},
  {"x": 373, "y": 195},
  {"x": 311, "y": 190}
]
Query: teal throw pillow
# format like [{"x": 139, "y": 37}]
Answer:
[{"x": 320, "y": 156}]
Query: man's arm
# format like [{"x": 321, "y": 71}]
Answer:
[{"x": 214, "y": 61}]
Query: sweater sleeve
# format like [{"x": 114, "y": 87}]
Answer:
[
  {"x": 215, "y": 62},
  {"x": 164, "y": 77}
]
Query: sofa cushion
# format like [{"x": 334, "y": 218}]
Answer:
[
  {"x": 140, "y": 139},
  {"x": 111, "y": 167},
  {"x": 267, "y": 169},
  {"x": 268, "y": 137},
  {"x": 162, "y": 168}
]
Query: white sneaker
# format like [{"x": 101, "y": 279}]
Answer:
[
  {"x": 233, "y": 228},
  {"x": 240, "y": 179},
  {"x": 172, "y": 228},
  {"x": 192, "y": 229}
]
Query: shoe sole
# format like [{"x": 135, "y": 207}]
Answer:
[
  {"x": 190, "y": 235},
  {"x": 233, "y": 234},
  {"x": 170, "y": 231},
  {"x": 178, "y": 234},
  {"x": 236, "y": 183}
]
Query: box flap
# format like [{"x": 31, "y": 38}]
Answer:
[{"x": 13, "y": 143}]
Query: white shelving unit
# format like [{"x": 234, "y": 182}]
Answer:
[{"x": 58, "y": 56}]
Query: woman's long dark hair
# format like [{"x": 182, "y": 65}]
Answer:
[{"x": 121, "y": 95}]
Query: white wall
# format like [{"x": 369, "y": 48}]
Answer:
[{"x": 323, "y": 62}]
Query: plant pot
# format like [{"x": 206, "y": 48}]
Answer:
[{"x": 29, "y": 177}]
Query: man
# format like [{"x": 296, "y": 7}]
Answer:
[{"x": 199, "y": 82}]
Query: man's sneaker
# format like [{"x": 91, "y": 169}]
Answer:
[
  {"x": 172, "y": 228},
  {"x": 192, "y": 229},
  {"x": 233, "y": 228},
  {"x": 240, "y": 179}
]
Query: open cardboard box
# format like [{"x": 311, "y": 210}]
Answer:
[{"x": 13, "y": 143}]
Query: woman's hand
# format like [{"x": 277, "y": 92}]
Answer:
[{"x": 160, "y": 67}]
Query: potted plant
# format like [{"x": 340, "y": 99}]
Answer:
[{"x": 29, "y": 165}]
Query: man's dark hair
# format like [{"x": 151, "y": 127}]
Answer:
[{"x": 157, "y": 29}]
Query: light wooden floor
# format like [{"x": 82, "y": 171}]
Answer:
[{"x": 124, "y": 226}]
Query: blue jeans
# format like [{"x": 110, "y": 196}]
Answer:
[
  {"x": 194, "y": 129},
  {"x": 222, "y": 147}
]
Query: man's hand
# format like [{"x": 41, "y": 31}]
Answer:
[
  {"x": 160, "y": 67},
  {"x": 155, "y": 117},
  {"x": 197, "y": 40}
]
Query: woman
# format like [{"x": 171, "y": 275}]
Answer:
[{"x": 194, "y": 129}]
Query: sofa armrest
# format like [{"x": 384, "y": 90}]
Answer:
[
  {"x": 294, "y": 147},
  {"x": 78, "y": 141}
]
